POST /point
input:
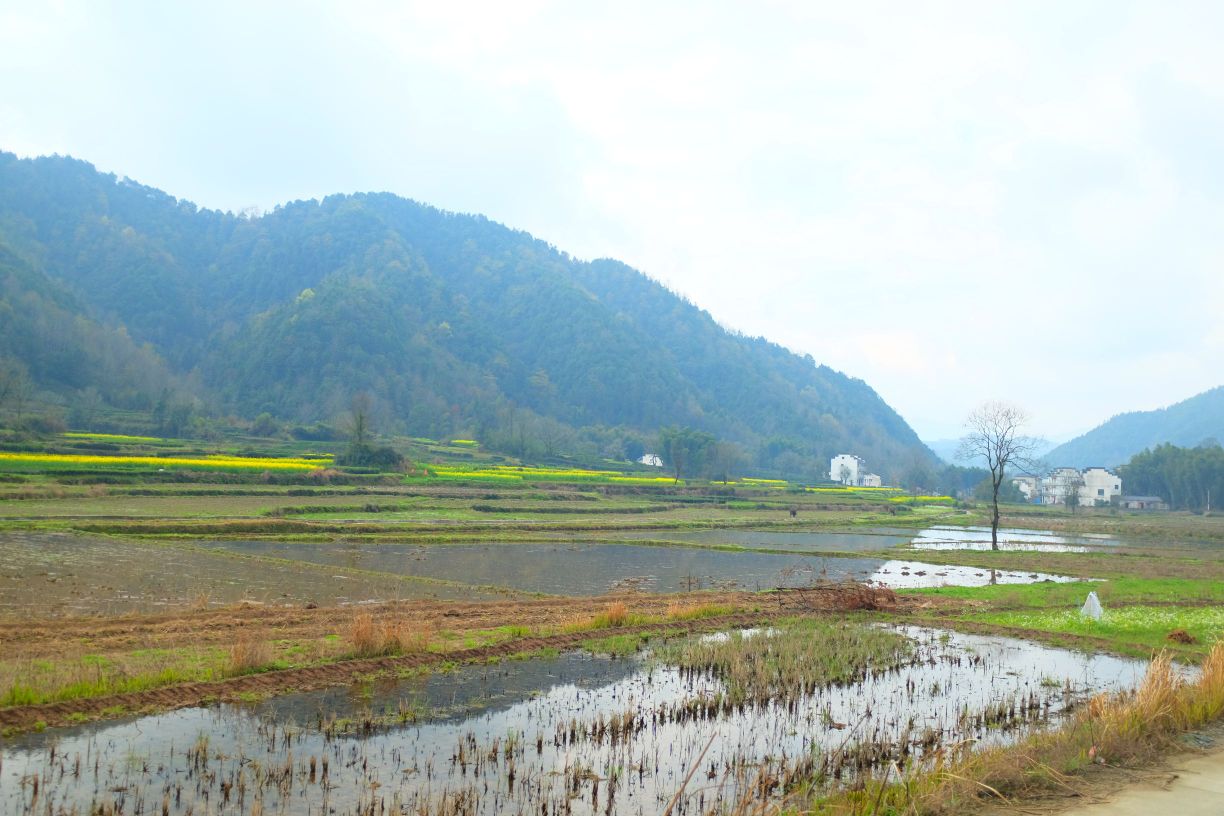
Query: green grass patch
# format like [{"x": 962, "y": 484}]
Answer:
[
  {"x": 617, "y": 645},
  {"x": 792, "y": 659},
  {"x": 23, "y": 694},
  {"x": 1148, "y": 626},
  {"x": 1072, "y": 595}
]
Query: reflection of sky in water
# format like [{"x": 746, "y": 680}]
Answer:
[
  {"x": 978, "y": 538},
  {"x": 915, "y": 574},
  {"x": 770, "y": 540},
  {"x": 411, "y": 765},
  {"x": 593, "y": 569}
]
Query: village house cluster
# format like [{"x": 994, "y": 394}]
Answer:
[{"x": 1090, "y": 487}]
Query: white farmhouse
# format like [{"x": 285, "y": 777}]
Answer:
[
  {"x": 1029, "y": 487},
  {"x": 846, "y": 468},
  {"x": 1059, "y": 484},
  {"x": 1100, "y": 486},
  {"x": 651, "y": 459},
  {"x": 872, "y": 480}
]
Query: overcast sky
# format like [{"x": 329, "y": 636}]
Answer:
[{"x": 952, "y": 201}]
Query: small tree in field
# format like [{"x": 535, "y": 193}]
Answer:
[
  {"x": 1071, "y": 491},
  {"x": 994, "y": 438}
]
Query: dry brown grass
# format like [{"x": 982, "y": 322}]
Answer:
[
  {"x": 406, "y": 639},
  {"x": 248, "y": 654},
  {"x": 377, "y": 638},
  {"x": 364, "y": 635},
  {"x": 617, "y": 614}
]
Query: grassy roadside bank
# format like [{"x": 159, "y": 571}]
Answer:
[{"x": 1122, "y": 730}]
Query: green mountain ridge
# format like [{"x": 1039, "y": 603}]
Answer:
[
  {"x": 1186, "y": 424},
  {"x": 453, "y": 324}
]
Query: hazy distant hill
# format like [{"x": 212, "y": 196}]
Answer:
[
  {"x": 1185, "y": 424},
  {"x": 946, "y": 449},
  {"x": 452, "y": 323}
]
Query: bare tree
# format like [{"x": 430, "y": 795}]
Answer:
[
  {"x": 725, "y": 459},
  {"x": 994, "y": 437},
  {"x": 15, "y": 385},
  {"x": 919, "y": 476},
  {"x": 85, "y": 408},
  {"x": 358, "y": 420}
]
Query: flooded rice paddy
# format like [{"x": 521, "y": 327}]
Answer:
[
  {"x": 916, "y": 575},
  {"x": 938, "y": 537},
  {"x": 53, "y": 574},
  {"x": 553, "y": 735},
  {"x": 47, "y": 573},
  {"x": 806, "y": 541},
  {"x": 594, "y": 569},
  {"x": 942, "y": 537}
]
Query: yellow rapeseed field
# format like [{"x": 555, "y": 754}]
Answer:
[
  {"x": 61, "y": 460},
  {"x": 522, "y": 472},
  {"x": 106, "y": 437}
]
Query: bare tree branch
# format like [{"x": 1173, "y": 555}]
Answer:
[{"x": 995, "y": 436}]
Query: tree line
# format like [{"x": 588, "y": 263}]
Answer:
[{"x": 1187, "y": 478}]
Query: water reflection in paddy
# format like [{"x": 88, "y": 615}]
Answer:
[
  {"x": 592, "y": 569},
  {"x": 806, "y": 541},
  {"x": 978, "y": 538},
  {"x": 915, "y": 574},
  {"x": 570, "y": 735}
]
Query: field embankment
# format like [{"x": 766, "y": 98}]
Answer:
[{"x": 330, "y": 644}]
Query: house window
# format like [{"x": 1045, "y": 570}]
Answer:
[{"x": 1100, "y": 491}]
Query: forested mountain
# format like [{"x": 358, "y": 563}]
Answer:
[
  {"x": 1187, "y": 423},
  {"x": 451, "y": 323},
  {"x": 46, "y": 330}
]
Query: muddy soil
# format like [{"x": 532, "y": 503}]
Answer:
[
  {"x": 60, "y": 637},
  {"x": 63, "y": 574}
]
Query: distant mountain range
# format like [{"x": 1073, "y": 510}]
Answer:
[
  {"x": 946, "y": 450},
  {"x": 115, "y": 293},
  {"x": 1186, "y": 424}
]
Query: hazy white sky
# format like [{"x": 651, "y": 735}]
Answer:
[{"x": 953, "y": 201}]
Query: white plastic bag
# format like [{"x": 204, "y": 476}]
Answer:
[{"x": 1092, "y": 607}]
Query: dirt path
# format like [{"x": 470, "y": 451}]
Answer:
[
  {"x": 1183, "y": 783},
  {"x": 1190, "y": 785}
]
